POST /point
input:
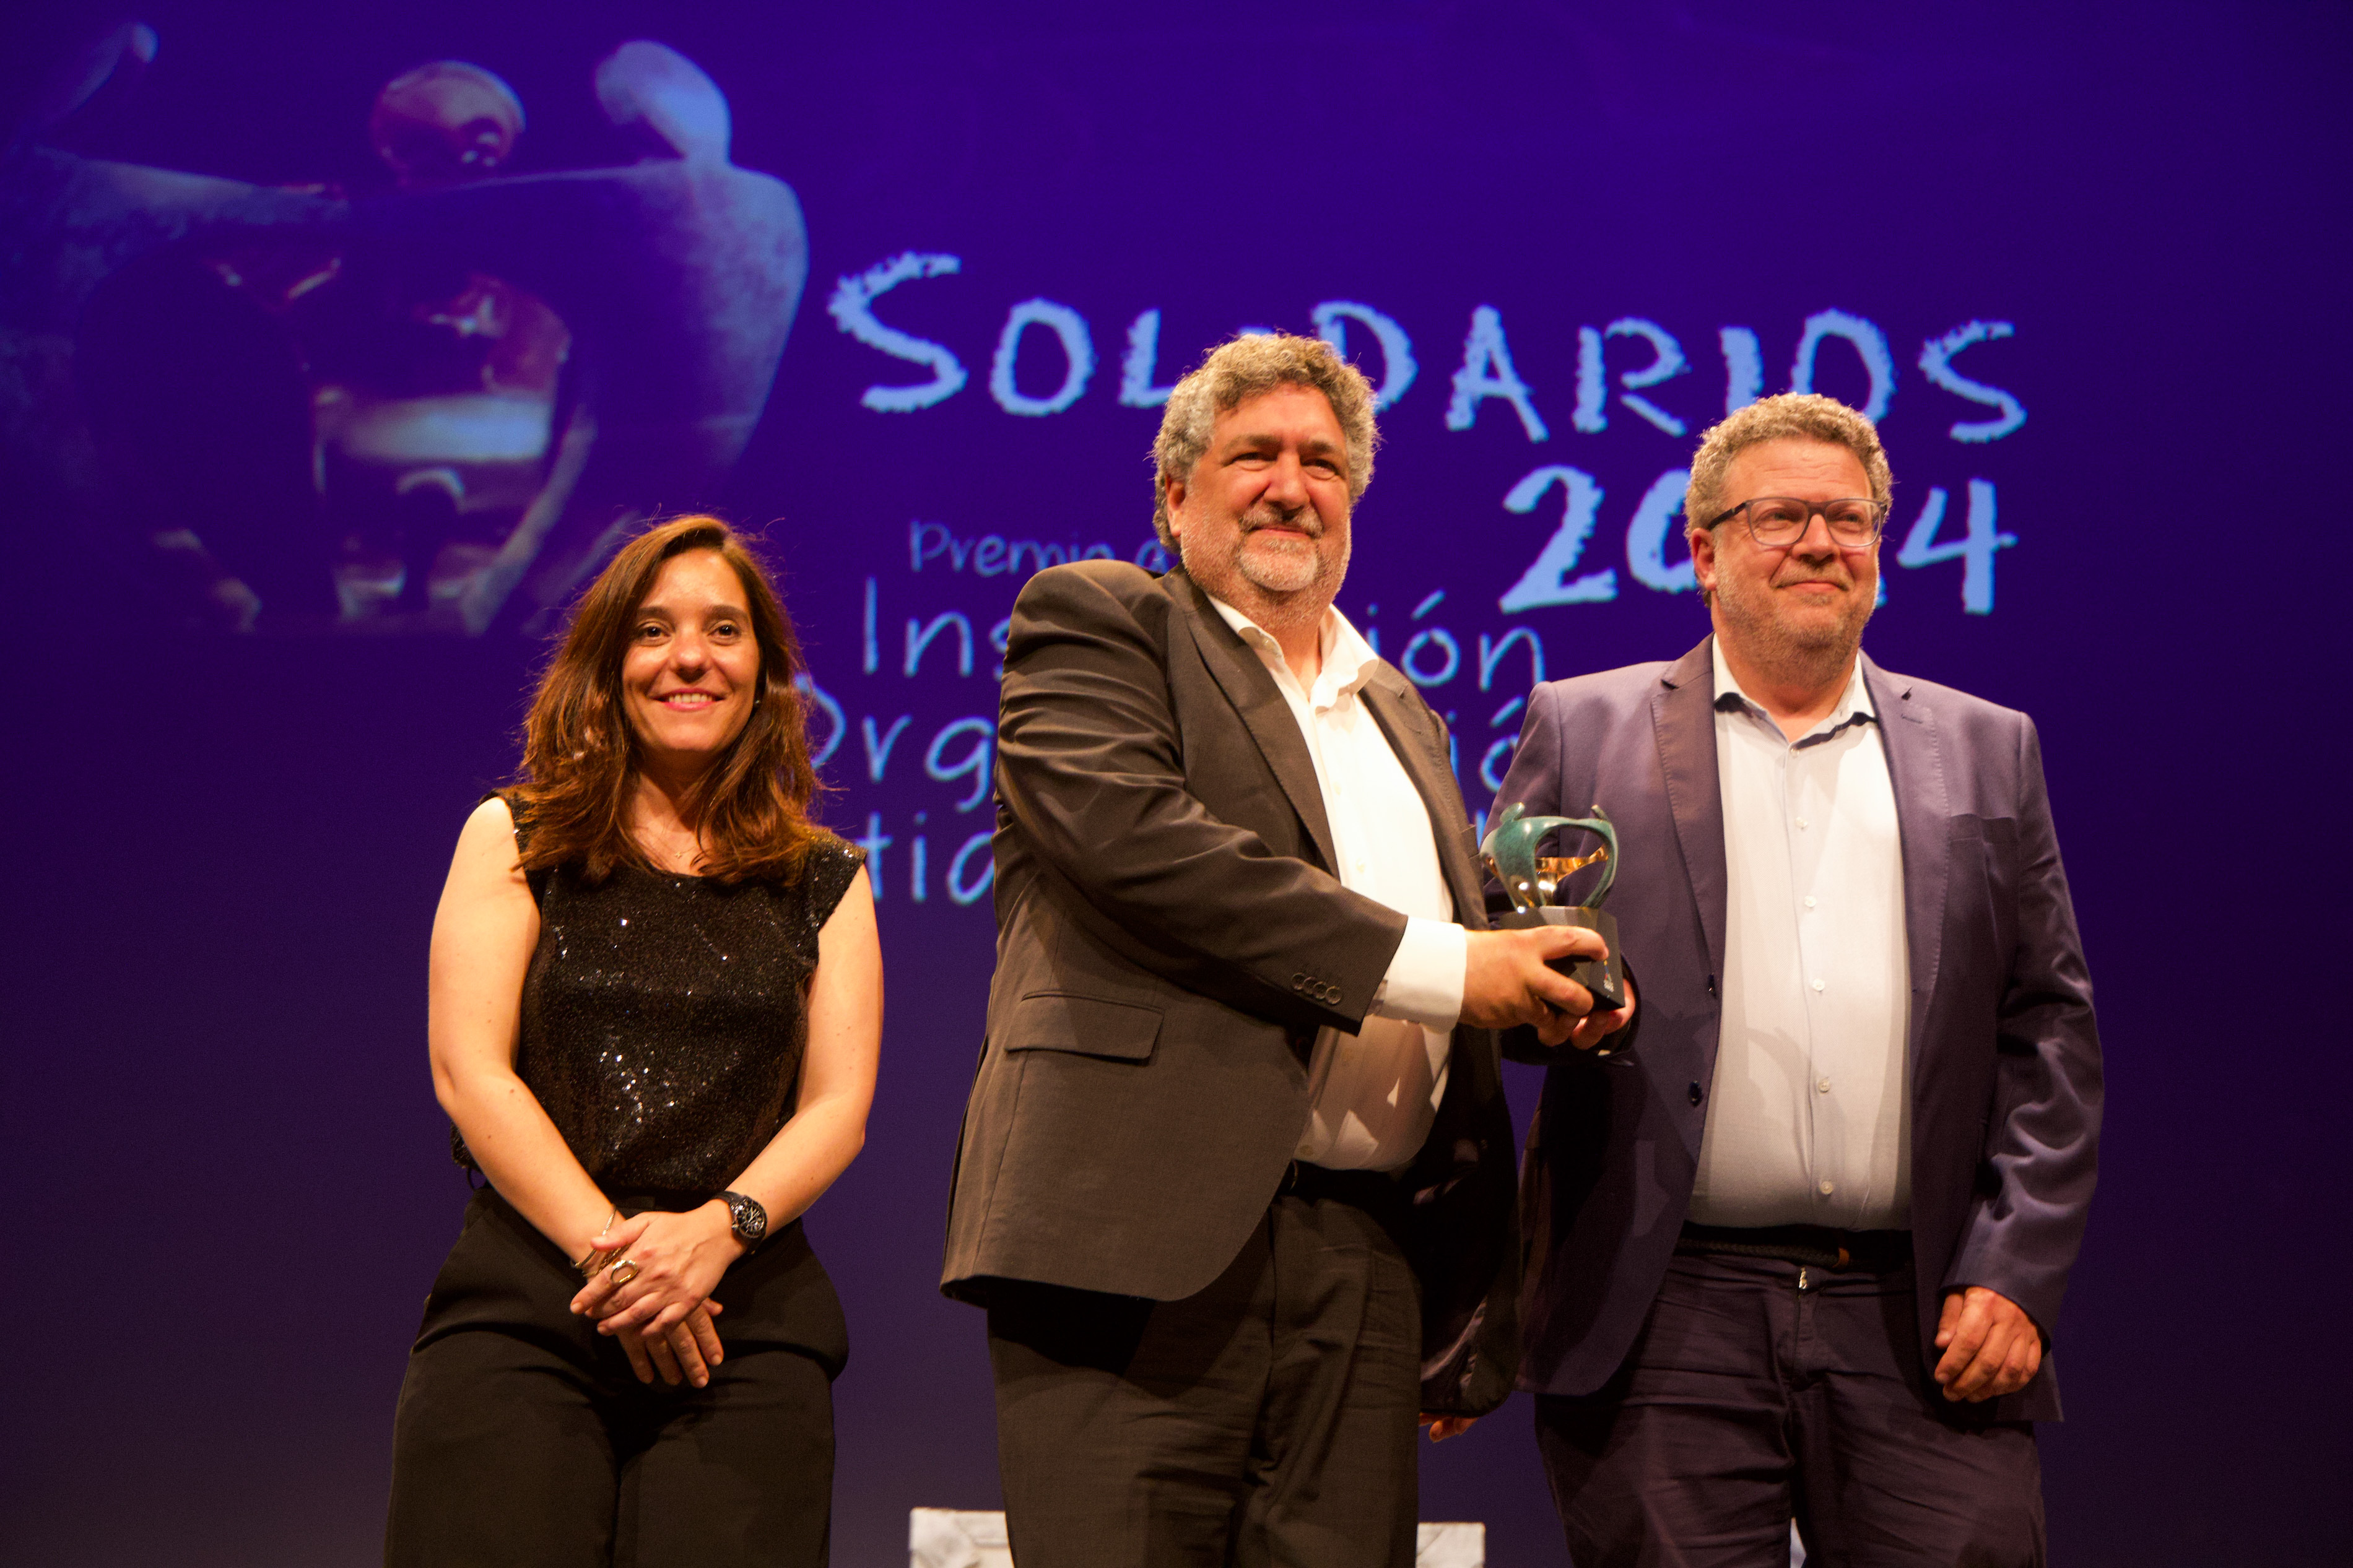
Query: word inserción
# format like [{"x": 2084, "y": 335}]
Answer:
[{"x": 1604, "y": 379}]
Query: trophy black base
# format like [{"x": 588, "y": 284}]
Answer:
[{"x": 1605, "y": 978}]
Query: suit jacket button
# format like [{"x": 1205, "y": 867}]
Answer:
[
  {"x": 1695, "y": 1091},
  {"x": 1299, "y": 983}
]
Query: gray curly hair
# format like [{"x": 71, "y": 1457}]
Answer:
[
  {"x": 1238, "y": 370},
  {"x": 1787, "y": 416}
]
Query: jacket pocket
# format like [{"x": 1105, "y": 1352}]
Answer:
[{"x": 1085, "y": 1025}]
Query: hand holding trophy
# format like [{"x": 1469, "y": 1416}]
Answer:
[{"x": 1535, "y": 885}]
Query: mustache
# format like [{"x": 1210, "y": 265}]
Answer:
[{"x": 1305, "y": 519}]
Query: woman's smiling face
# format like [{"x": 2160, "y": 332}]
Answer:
[{"x": 692, "y": 668}]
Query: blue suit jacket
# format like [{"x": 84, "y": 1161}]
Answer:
[{"x": 2004, "y": 1059}]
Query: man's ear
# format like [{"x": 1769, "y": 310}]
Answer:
[
  {"x": 1176, "y": 492},
  {"x": 1703, "y": 555}
]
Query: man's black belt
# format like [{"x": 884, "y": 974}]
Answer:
[
  {"x": 1377, "y": 1191},
  {"x": 1871, "y": 1251}
]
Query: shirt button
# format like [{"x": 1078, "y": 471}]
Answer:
[
  {"x": 1810, "y": 900},
  {"x": 1818, "y": 985},
  {"x": 1801, "y": 822},
  {"x": 1822, "y": 1086},
  {"x": 1828, "y": 1187}
]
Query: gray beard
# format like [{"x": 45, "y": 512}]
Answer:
[
  {"x": 1810, "y": 657},
  {"x": 1260, "y": 593}
]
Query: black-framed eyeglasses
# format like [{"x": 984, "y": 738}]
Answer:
[{"x": 1776, "y": 521}]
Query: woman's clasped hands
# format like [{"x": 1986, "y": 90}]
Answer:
[{"x": 649, "y": 1281}]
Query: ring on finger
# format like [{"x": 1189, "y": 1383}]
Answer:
[{"x": 622, "y": 1272}]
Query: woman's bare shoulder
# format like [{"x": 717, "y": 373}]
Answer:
[
  {"x": 493, "y": 815},
  {"x": 486, "y": 845}
]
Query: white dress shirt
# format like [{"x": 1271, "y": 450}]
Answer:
[
  {"x": 1809, "y": 1120},
  {"x": 1373, "y": 1095}
]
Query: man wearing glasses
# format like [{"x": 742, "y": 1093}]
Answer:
[{"x": 1800, "y": 1253}]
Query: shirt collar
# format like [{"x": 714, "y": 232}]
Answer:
[
  {"x": 1348, "y": 659},
  {"x": 1854, "y": 705}
]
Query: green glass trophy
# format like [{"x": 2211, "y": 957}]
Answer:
[{"x": 1536, "y": 886}]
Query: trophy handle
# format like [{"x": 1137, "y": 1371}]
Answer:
[
  {"x": 1511, "y": 852},
  {"x": 1601, "y": 827}
]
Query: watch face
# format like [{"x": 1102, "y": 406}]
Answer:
[{"x": 750, "y": 1220}]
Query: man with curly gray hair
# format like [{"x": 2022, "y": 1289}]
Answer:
[
  {"x": 1237, "y": 1173},
  {"x": 1249, "y": 367},
  {"x": 1801, "y": 1256}
]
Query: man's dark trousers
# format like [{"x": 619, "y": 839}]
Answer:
[
  {"x": 1268, "y": 1419},
  {"x": 1757, "y": 1383}
]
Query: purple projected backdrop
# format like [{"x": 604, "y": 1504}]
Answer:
[{"x": 310, "y": 430}]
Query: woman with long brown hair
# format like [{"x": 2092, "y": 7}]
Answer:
[{"x": 655, "y": 1006}]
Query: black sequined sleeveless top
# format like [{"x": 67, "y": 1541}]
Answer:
[{"x": 664, "y": 1017}]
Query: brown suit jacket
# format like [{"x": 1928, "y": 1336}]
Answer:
[{"x": 1169, "y": 940}]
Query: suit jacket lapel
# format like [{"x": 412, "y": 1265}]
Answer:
[
  {"x": 1915, "y": 768},
  {"x": 1683, "y": 714},
  {"x": 1264, "y": 713},
  {"x": 1420, "y": 752}
]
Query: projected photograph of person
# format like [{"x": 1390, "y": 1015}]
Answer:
[{"x": 435, "y": 406}]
